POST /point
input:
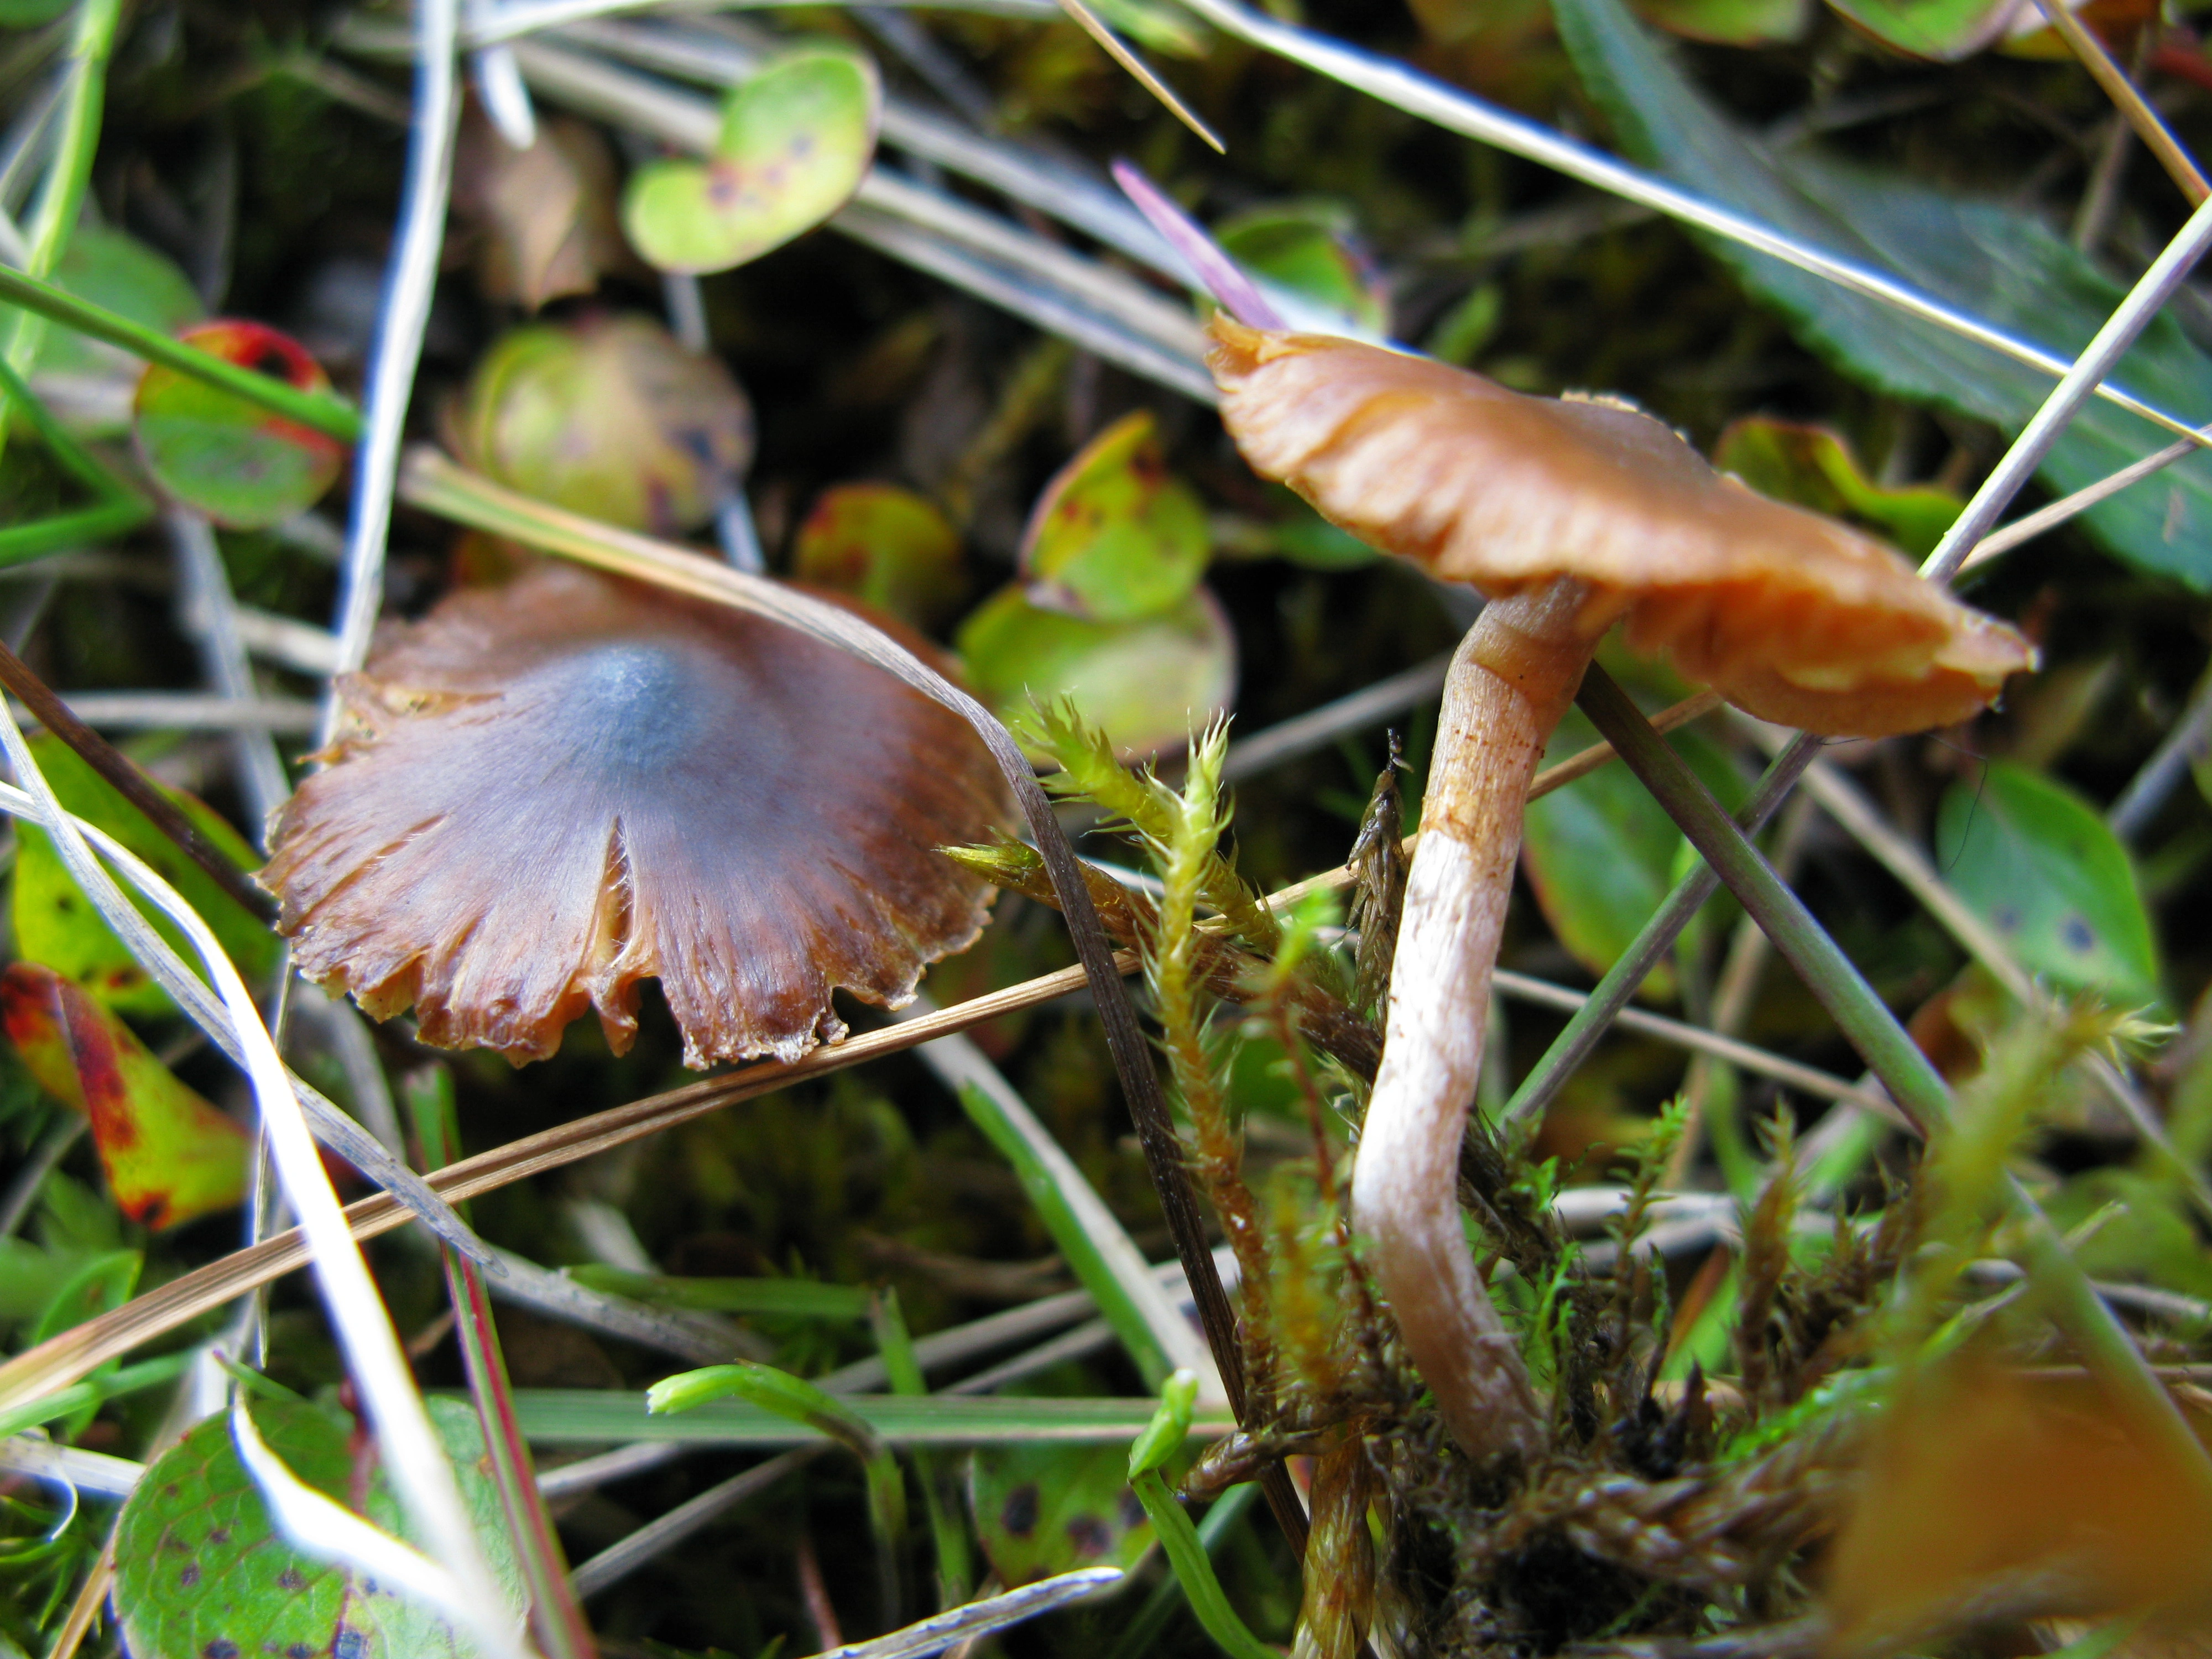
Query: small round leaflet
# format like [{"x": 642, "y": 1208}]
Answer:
[
  {"x": 1115, "y": 536},
  {"x": 794, "y": 143},
  {"x": 215, "y": 452}
]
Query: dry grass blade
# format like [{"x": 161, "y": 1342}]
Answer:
[
  {"x": 1095, "y": 27},
  {"x": 63, "y": 1360},
  {"x": 131, "y": 784},
  {"x": 2157, "y": 137}
]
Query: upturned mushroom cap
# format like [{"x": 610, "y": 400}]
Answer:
[
  {"x": 1788, "y": 615},
  {"x": 548, "y": 792}
]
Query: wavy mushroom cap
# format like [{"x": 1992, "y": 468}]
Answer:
[
  {"x": 550, "y": 790},
  {"x": 1788, "y": 615}
]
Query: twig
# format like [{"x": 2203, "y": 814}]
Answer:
[
  {"x": 1318, "y": 727},
  {"x": 626, "y": 1555},
  {"x": 2027, "y": 528},
  {"x": 2184, "y": 747},
  {"x": 2075, "y": 388},
  {"x": 212, "y": 612},
  {"x": 409, "y": 281},
  {"x": 2128, "y": 99},
  {"x": 190, "y": 711},
  {"x": 132, "y": 785},
  {"x": 1138, "y": 70}
]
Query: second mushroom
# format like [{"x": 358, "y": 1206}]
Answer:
[{"x": 1571, "y": 515}]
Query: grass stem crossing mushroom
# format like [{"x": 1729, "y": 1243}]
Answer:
[{"x": 1570, "y": 515}]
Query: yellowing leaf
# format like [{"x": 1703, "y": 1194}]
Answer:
[{"x": 170, "y": 1157}]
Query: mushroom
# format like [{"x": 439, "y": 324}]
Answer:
[
  {"x": 546, "y": 792},
  {"x": 1571, "y": 515}
]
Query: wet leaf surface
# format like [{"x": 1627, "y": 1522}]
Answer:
[
  {"x": 795, "y": 140},
  {"x": 215, "y": 452},
  {"x": 170, "y": 1157}
]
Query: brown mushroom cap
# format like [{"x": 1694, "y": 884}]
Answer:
[
  {"x": 550, "y": 790},
  {"x": 1788, "y": 615}
]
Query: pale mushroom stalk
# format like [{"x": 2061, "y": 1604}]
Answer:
[{"x": 1511, "y": 680}]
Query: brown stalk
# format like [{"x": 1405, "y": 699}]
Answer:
[{"x": 131, "y": 784}]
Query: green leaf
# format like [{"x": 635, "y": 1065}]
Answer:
[
  {"x": 796, "y": 140},
  {"x": 200, "y": 1574},
  {"x": 886, "y": 546},
  {"x": 1146, "y": 683},
  {"x": 573, "y": 1415},
  {"x": 1302, "y": 255},
  {"x": 56, "y": 926},
  {"x": 1942, "y": 31},
  {"x": 89, "y": 384},
  {"x": 1730, "y": 23},
  {"x": 1041, "y": 1510},
  {"x": 1600, "y": 853},
  {"x": 610, "y": 418},
  {"x": 219, "y": 454},
  {"x": 170, "y": 1157},
  {"x": 30, "y": 1276},
  {"x": 2000, "y": 265},
  {"x": 1115, "y": 536},
  {"x": 2037, "y": 863},
  {"x": 1813, "y": 467}
]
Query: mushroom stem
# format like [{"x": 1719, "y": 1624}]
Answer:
[{"x": 1511, "y": 680}]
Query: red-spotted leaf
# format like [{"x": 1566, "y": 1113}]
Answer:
[
  {"x": 170, "y": 1157},
  {"x": 796, "y": 140},
  {"x": 1041, "y": 1510},
  {"x": 885, "y": 546},
  {"x": 231, "y": 459},
  {"x": 1115, "y": 536}
]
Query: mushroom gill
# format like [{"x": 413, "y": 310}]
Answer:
[{"x": 548, "y": 792}]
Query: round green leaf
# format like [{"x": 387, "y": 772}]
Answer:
[
  {"x": 1304, "y": 259},
  {"x": 1146, "y": 683},
  {"x": 89, "y": 384},
  {"x": 796, "y": 140},
  {"x": 1041, "y": 1510},
  {"x": 215, "y": 452},
  {"x": 612, "y": 417},
  {"x": 201, "y": 1574},
  {"x": 2036, "y": 862},
  {"x": 885, "y": 546},
  {"x": 1114, "y": 536}
]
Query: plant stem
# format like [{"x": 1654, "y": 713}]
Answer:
[
  {"x": 314, "y": 410},
  {"x": 67, "y": 173}
]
